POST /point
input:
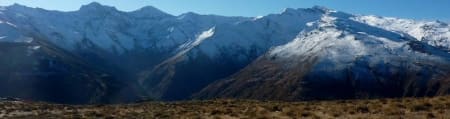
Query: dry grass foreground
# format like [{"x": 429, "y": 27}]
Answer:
[{"x": 408, "y": 108}]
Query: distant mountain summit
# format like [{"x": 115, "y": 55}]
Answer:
[{"x": 99, "y": 54}]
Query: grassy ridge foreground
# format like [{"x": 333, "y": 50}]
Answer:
[{"x": 409, "y": 108}]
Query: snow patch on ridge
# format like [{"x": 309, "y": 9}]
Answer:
[
  {"x": 257, "y": 17},
  {"x": 434, "y": 33},
  {"x": 187, "y": 47},
  {"x": 204, "y": 36},
  {"x": 10, "y": 33}
]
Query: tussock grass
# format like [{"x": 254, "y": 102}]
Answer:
[{"x": 437, "y": 107}]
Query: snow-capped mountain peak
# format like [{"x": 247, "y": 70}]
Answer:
[
  {"x": 20, "y": 9},
  {"x": 289, "y": 11},
  {"x": 434, "y": 33},
  {"x": 323, "y": 9},
  {"x": 96, "y": 7},
  {"x": 316, "y": 9},
  {"x": 335, "y": 38},
  {"x": 150, "y": 12},
  {"x": 188, "y": 15},
  {"x": 17, "y": 5}
]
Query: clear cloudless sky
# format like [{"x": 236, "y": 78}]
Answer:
[{"x": 413, "y": 9}]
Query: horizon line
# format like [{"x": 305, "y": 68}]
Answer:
[{"x": 281, "y": 11}]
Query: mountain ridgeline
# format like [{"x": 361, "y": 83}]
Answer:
[{"x": 102, "y": 55}]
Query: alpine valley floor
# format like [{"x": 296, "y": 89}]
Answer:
[{"x": 408, "y": 108}]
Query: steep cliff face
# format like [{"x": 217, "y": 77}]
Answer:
[{"x": 37, "y": 70}]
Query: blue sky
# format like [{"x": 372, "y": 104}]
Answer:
[{"x": 414, "y": 9}]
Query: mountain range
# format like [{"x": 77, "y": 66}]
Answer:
[{"x": 99, "y": 54}]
